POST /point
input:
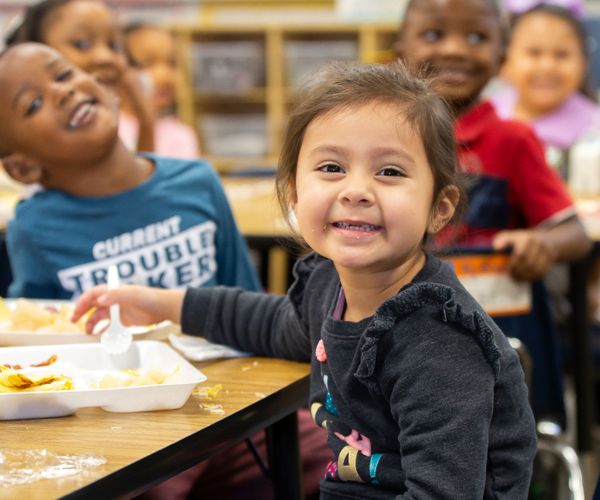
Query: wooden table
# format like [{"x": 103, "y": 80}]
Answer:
[{"x": 145, "y": 449}]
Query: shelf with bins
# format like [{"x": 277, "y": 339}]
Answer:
[{"x": 239, "y": 82}]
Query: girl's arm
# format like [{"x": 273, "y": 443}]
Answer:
[
  {"x": 266, "y": 325},
  {"x": 457, "y": 420},
  {"x": 261, "y": 323},
  {"x": 133, "y": 92}
]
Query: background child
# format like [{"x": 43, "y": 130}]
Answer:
[
  {"x": 152, "y": 51},
  {"x": 87, "y": 33},
  {"x": 547, "y": 62},
  {"x": 516, "y": 201},
  {"x": 420, "y": 392}
]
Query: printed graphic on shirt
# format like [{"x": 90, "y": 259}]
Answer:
[
  {"x": 158, "y": 255},
  {"x": 356, "y": 460}
]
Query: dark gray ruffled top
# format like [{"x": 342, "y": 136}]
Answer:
[{"x": 424, "y": 400}]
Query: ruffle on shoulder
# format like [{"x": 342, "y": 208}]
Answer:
[
  {"x": 302, "y": 271},
  {"x": 411, "y": 298}
]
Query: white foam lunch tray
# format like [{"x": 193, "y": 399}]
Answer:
[
  {"x": 14, "y": 338},
  {"x": 87, "y": 364}
]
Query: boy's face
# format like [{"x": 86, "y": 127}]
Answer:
[
  {"x": 153, "y": 51},
  {"x": 457, "y": 41},
  {"x": 53, "y": 112}
]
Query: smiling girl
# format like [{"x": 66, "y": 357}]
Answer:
[
  {"x": 547, "y": 64},
  {"x": 420, "y": 392}
]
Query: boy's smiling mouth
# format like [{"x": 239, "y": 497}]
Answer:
[{"x": 82, "y": 114}]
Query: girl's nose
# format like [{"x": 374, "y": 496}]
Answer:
[
  {"x": 103, "y": 55},
  {"x": 356, "y": 191}
]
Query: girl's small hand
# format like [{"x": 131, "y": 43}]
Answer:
[
  {"x": 531, "y": 257},
  {"x": 139, "y": 305}
]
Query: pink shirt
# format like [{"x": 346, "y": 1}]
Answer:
[
  {"x": 561, "y": 128},
  {"x": 577, "y": 7},
  {"x": 172, "y": 138}
]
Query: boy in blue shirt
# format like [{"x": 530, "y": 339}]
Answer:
[{"x": 163, "y": 222}]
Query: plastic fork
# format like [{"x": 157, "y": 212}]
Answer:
[{"x": 116, "y": 339}]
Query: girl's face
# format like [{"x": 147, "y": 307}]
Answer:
[
  {"x": 364, "y": 188},
  {"x": 545, "y": 62},
  {"x": 153, "y": 51},
  {"x": 87, "y": 34},
  {"x": 458, "y": 42}
]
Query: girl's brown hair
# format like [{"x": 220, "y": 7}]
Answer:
[
  {"x": 340, "y": 86},
  {"x": 35, "y": 22}
]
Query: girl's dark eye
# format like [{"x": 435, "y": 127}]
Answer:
[
  {"x": 33, "y": 106},
  {"x": 475, "y": 38},
  {"x": 64, "y": 75},
  {"x": 332, "y": 168},
  {"x": 389, "y": 172},
  {"x": 83, "y": 45},
  {"x": 432, "y": 35}
]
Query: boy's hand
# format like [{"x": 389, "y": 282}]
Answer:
[
  {"x": 139, "y": 305},
  {"x": 532, "y": 256}
]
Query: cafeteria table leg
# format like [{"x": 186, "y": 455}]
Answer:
[
  {"x": 284, "y": 458},
  {"x": 582, "y": 355}
]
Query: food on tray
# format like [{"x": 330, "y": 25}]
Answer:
[
  {"x": 133, "y": 378},
  {"x": 27, "y": 316},
  {"x": 13, "y": 381},
  {"x": 48, "y": 362}
]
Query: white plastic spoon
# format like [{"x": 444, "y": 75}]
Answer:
[{"x": 116, "y": 339}]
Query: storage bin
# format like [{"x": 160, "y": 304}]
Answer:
[
  {"x": 228, "y": 67},
  {"x": 234, "y": 135},
  {"x": 304, "y": 57}
]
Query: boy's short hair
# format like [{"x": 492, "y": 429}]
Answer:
[{"x": 340, "y": 86}]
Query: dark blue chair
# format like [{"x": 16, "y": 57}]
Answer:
[{"x": 5, "y": 272}]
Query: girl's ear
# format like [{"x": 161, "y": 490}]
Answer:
[
  {"x": 444, "y": 209},
  {"x": 22, "y": 169}
]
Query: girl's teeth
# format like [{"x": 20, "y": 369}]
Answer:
[{"x": 366, "y": 227}]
